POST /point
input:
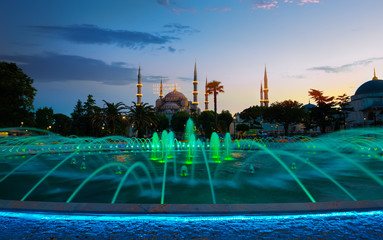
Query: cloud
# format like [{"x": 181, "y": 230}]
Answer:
[
  {"x": 302, "y": 2},
  {"x": 51, "y": 67},
  {"x": 185, "y": 79},
  {"x": 163, "y": 2},
  {"x": 181, "y": 10},
  {"x": 265, "y": 4},
  {"x": 91, "y": 34},
  {"x": 271, "y": 4},
  {"x": 346, "y": 67},
  {"x": 220, "y": 9},
  {"x": 296, "y": 76},
  {"x": 153, "y": 78},
  {"x": 170, "y": 49},
  {"x": 176, "y": 28}
]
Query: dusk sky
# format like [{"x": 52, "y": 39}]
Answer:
[{"x": 74, "y": 48}]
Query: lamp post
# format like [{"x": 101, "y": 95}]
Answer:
[{"x": 364, "y": 122}]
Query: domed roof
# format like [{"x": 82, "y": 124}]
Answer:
[
  {"x": 174, "y": 94},
  {"x": 370, "y": 87},
  {"x": 309, "y": 106},
  {"x": 170, "y": 105}
]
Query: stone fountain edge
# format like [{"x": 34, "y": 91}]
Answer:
[{"x": 212, "y": 209}]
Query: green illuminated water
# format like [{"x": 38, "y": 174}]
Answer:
[{"x": 342, "y": 166}]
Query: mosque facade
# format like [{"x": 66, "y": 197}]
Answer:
[
  {"x": 175, "y": 101},
  {"x": 367, "y": 103}
]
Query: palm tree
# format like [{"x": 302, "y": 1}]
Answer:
[
  {"x": 141, "y": 117},
  {"x": 97, "y": 121},
  {"x": 215, "y": 88},
  {"x": 113, "y": 113}
]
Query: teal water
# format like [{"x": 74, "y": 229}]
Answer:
[{"x": 343, "y": 166}]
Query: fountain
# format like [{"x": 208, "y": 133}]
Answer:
[
  {"x": 342, "y": 166},
  {"x": 49, "y": 180}
]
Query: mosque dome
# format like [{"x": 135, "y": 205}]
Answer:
[
  {"x": 370, "y": 87},
  {"x": 373, "y": 86},
  {"x": 174, "y": 95},
  {"x": 309, "y": 106},
  {"x": 170, "y": 105}
]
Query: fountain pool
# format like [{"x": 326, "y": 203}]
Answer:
[
  {"x": 115, "y": 187},
  {"x": 343, "y": 166}
]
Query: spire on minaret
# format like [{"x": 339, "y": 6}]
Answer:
[
  {"x": 206, "y": 97},
  {"x": 195, "y": 89},
  {"x": 195, "y": 69},
  {"x": 161, "y": 92},
  {"x": 375, "y": 77},
  {"x": 139, "y": 85},
  {"x": 265, "y": 90},
  {"x": 261, "y": 95}
]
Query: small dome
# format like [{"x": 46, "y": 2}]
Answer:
[
  {"x": 174, "y": 94},
  {"x": 309, "y": 106},
  {"x": 370, "y": 87},
  {"x": 170, "y": 105}
]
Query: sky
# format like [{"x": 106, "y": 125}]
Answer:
[{"x": 74, "y": 48}]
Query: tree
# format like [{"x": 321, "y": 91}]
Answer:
[
  {"x": 141, "y": 117},
  {"x": 286, "y": 113},
  {"x": 113, "y": 113},
  {"x": 89, "y": 112},
  {"x": 61, "y": 124},
  {"x": 224, "y": 119},
  {"x": 215, "y": 88},
  {"x": 206, "y": 121},
  {"x": 44, "y": 118},
  {"x": 344, "y": 108},
  {"x": 179, "y": 120},
  {"x": 98, "y": 121},
  {"x": 78, "y": 126},
  {"x": 163, "y": 122},
  {"x": 322, "y": 115},
  {"x": 16, "y": 98},
  {"x": 251, "y": 114}
]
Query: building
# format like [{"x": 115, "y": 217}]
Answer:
[
  {"x": 367, "y": 103},
  {"x": 176, "y": 101}
]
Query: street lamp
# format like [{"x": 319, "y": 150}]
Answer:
[
  {"x": 21, "y": 124},
  {"x": 364, "y": 122}
]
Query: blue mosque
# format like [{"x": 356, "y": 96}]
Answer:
[{"x": 175, "y": 101}]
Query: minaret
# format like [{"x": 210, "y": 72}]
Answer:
[
  {"x": 195, "y": 90},
  {"x": 261, "y": 95},
  {"x": 139, "y": 85},
  {"x": 266, "y": 91},
  {"x": 375, "y": 77},
  {"x": 161, "y": 92},
  {"x": 206, "y": 97}
]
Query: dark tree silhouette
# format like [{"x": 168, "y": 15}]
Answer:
[
  {"x": 16, "y": 98},
  {"x": 215, "y": 88},
  {"x": 142, "y": 117},
  {"x": 286, "y": 113},
  {"x": 113, "y": 113}
]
